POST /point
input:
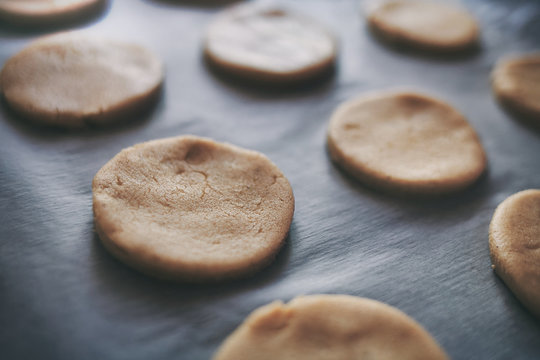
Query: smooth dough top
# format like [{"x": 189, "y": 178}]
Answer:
[
  {"x": 514, "y": 243},
  {"x": 71, "y": 78},
  {"x": 191, "y": 209},
  {"x": 405, "y": 142},
  {"x": 273, "y": 41},
  {"x": 329, "y": 327},
  {"x": 425, "y": 24},
  {"x": 38, "y": 11},
  {"x": 516, "y": 82}
]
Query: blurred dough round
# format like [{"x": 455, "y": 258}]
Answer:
[
  {"x": 191, "y": 209},
  {"x": 269, "y": 45},
  {"x": 516, "y": 83},
  {"x": 71, "y": 79},
  {"x": 44, "y": 12},
  {"x": 514, "y": 243},
  {"x": 405, "y": 142},
  {"x": 425, "y": 25},
  {"x": 324, "y": 327}
]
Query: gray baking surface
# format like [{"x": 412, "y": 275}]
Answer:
[{"x": 62, "y": 296}]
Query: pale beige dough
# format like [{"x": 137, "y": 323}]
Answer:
[
  {"x": 516, "y": 83},
  {"x": 45, "y": 12},
  {"x": 329, "y": 327},
  {"x": 72, "y": 79},
  {"x": 191, "y": 209},
  {"x": 425, "y": 25},
  {"x": 514, "y": 244},
  {"x": 405, "y": 142},
  {"x": 269, "y": 44}
]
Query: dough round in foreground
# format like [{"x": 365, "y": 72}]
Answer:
[
  {"x": 329, "y": 327},
  {"x": 72, "y": 79},
  {"x": 516, "y": 83},
  {"x": 405, "y": 143},
  {"x": 269, "y": 45},
  {"x": 514, "y": 244},
  {"x": 191, "y": 209},
  {"x": 45, "y": 12},
  {"x": 424, "y": 25}
]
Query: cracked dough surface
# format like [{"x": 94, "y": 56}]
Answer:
[
  {"x": 431, "y": 26},
  {"x": 514, "y": 244},
  {"x": 329, "y": 327},
  {"x": 72, "y": 79},
  {"x": 516, "y": 83},
  {"x": 269, "y": 44},
  {"x": 189, "y": 208},
  {"x": 405, "y": 142},
  {"x": 38, "y": 12}
]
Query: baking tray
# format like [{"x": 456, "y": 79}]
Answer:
[{"x": 62, "y": 296}]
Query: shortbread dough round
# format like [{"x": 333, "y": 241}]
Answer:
[
  {"x": 45, "y": 12},
  {"x": 269, "y": 45},
  {"x": 514, "y": 244},
  {"x": 329, "y": 327},
  {"x": 191, "y": 209},
  {"x": 425, "y": 25},
  {"x": 73, "y": 79},
  {"x": 406, "y": 143},
  {"x": 516, "y": 83}
]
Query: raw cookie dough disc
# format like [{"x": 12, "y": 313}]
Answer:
[
  {"x": 424, "y": 25},
  {"x": 191, "y": 209},
  {"x": 406, "y": 143},
  {"x": 269, "y": 45},
  {"x": 329, "y": 327},
  {"x": 516, "y": 83},
  {"x": 45, "y": 12},
  {"x": 514, "y": 244},
  {"x": 72, "y": 79}
]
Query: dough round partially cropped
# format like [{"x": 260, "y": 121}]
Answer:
[
  {"x": 329, "y": 327},
  {"x": 424, "y": 25},
  {"x": 516, "y": 83},
  {"x": 191, "y": 209},
  {"x": 514, "y": 244},
  {"x": 405, "y": 143},
  {"x": 72, "y": 80},
  {"x": 45, "y": 12},
  {"x": 269, "y": 45}
]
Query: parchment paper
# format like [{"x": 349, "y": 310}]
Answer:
[{"x": 62, "y": 296}]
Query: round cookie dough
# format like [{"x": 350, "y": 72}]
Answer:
[
  {"x": 405, "y": 142},
  {"x": 514, "y": 244},
  {"x": 45, "y": 12},
  {"x": 516, "y": 84},
  {"x": 191, "y": 209},
  {"x": 424, "y": 25},
  {"x": 269, "y": 45},
  {"x": 72, "y": 79},
  {"x": 329, "y": 327}
]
